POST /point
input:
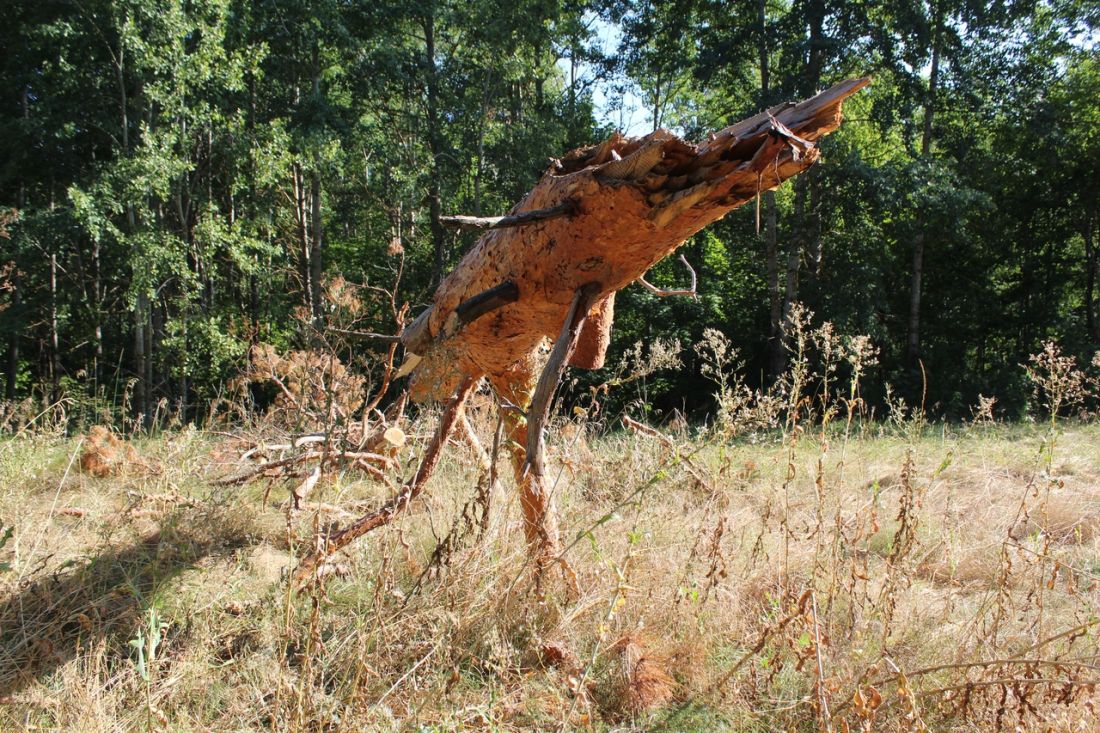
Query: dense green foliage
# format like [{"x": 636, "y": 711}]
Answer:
[{"x": 186, "y": 177}]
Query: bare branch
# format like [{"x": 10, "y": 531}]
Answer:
[
  {"x": 539, "y": 410},
  {"x": 473, "y": 308},
  {"x": 567, "y": 208},
  {"x": 408, "y": 493},
  {"x": 386, "y": 337},
  {"x": 660, "y": 293}
]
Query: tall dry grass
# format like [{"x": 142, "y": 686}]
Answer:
[{"x": 793, "y": 566}]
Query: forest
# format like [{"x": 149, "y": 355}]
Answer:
[{"x": 184, "y": 182}]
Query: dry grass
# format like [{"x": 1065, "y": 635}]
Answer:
[{"x": 886, "y": 580}]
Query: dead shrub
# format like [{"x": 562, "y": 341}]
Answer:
[
  {"x": 1058, "y": 383},
  {"x": 641, "y": 683},
  {"x": 312, "y": 388},
  {"x": 104, "y": 454}
]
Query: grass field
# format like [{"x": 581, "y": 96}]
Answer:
[{"x": 904, "y": 577}]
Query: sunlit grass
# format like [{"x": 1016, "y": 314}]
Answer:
[{"x": 702, "y": 576}]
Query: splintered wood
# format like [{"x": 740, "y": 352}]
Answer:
[
  {"x": 632, "y": 202},
  {"x": 595, "y": 222}
]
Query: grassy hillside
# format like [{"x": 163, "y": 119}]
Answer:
[{"x": 900, "y": 577}]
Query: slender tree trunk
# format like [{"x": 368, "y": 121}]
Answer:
[
  {"x": 573, "y": 131},
  {"x": 316, "y": 253},
  {"x": 912, "y": 347},
  {"x": 16, "y": 285},
  {"x": 141, "y": 405},
  {"x": 814, "y": 250},
  {"x": 152, "y": 343},
  {"x": 254, "y": 308},
  {"x": 657, "y": 101},
  {"x": 775, "y": 296},
  {"x": 1091, "y": 266},
  {"x": 141, "y": 304},
  {"x": 304, "y": 249},
  {"x": 97, "y": 315},
  {"x": 809, "y": 222},
  {"x": 483, "y": 115},
  {"x": 254, "y": 215},
  {"x": 13, "y": 337},
  {"x": 317, "y": 242},
  {"x": 771, "y": 234},
  {"x": 184, "y": 386},
  {"x": 55, "y": 352},
  {"x": 802, "y": 228},
  {"x": 435, "y": 146},
  {"x": 794, "y": 252}
]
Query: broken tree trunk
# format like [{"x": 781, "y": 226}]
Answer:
[
  {"x": 634, "y": 201},
  {"x": 597, "y": 220}
]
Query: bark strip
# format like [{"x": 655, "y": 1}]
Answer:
[{"x": 551, "y": 375}]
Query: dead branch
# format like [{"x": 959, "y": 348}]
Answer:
[
  {"x": 385, "y": 337},
  {"x": 539, "y": 411},
  {"x": 409, "y": 492},
  {"x": 661, "y": 293},
  {"x": 525, "y": 218},
  {"x": 488, "y": 301},
  {"x": 358, "y": 457}
]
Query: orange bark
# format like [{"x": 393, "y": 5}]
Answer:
[{"x": 635, "y": 200}]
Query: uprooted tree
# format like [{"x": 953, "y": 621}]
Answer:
[{"x": 595, "y": 222}]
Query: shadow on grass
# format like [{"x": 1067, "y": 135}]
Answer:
[
  {"x": 48, "y": 620},
  {"x": 694, "y": 717}
]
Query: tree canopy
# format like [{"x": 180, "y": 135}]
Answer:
[{"x": 189, "y": 179}]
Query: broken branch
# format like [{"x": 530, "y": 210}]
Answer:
[
  {"x": 385, "y": 337},
  {"x": 358, "y": 457},
  {"x": 583, "y": 299},
  {"x": 487, "y": 301}
]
